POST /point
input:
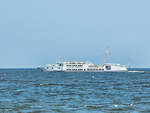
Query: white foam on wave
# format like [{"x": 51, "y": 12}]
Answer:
[{"x": 115, "y": 105}]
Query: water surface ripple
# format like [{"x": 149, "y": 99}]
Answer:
[{"x": 29, "y": 90}]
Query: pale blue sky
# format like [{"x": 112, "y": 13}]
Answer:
[{"x": 35, "y": 32}]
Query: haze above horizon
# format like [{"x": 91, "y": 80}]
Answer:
[{"x": 35, "y": 32}]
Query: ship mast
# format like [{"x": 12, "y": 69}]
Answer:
[
  {"x": 58, "y": 60},
  {"x": 107, "y": 53}
]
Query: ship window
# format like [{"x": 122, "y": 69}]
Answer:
[{"x": 108, "y": 67}]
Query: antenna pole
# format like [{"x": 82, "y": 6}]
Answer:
[
  {"x": 107, "y": 53},
  {"x": 58, "y": 60},
  {"x": 105, "y": 58}
]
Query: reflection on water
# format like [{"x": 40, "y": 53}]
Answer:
[{"x": 29, "y": 90}]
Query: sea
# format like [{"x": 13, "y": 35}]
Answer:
[{"x": 33, "y": 91}]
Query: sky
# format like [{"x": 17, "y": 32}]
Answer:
[{"x": 36, "y": 32}]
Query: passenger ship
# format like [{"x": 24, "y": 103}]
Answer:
[{"x": 77, "y": 66}]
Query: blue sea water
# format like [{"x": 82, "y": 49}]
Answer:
[{"x": 32, "y": 91}]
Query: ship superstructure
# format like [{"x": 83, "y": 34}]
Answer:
[{"x": 76, "y": 66}]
